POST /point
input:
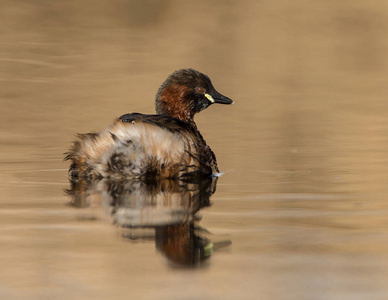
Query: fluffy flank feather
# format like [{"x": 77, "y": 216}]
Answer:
[{"x": 139, "y": 146}]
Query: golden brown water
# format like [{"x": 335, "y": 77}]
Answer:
[{"x": 301, "y": 212}]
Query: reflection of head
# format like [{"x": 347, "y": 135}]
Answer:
[{"x": 181, "y": 246}]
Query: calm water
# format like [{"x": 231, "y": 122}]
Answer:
[{"x": 302, "y": 209}]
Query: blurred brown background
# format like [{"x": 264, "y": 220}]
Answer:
[
  {"x": 305, "y": 76},
  {"x": 304, "y": 148}
]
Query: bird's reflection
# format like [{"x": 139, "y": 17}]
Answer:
[{"x": 168, "y": 208}]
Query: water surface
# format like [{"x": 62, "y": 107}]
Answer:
[{"x": 301, "y": 211}]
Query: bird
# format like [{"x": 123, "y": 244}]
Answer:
[{"x": 165, "y": 145}]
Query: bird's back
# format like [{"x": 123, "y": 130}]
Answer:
[{"x": 142, "y": 146}]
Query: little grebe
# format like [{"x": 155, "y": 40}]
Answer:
[{"x": 165, "y": 145}]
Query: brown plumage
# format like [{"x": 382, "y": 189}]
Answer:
[{"x": 165, "y": 145}]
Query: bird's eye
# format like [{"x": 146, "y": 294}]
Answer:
[{"x": 201, "y": 90}]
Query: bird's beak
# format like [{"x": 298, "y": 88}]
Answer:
[{"x": 216, "y": 97}]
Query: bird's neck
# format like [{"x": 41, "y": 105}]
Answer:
[{"x": 171, "y": 102}]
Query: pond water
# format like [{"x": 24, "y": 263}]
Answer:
[{"x": 301, "y": 211}]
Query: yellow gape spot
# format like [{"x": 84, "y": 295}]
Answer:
[{"x": 210, "y": 98}]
